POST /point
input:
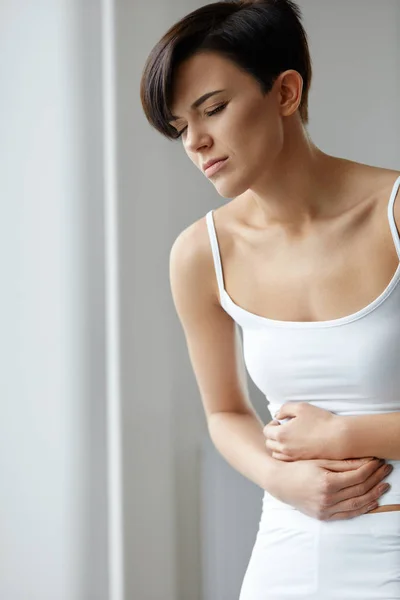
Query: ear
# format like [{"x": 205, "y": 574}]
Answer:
[{"x": 291, "y": 89}]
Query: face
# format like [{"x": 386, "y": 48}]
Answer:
[{"x": 238, "y": 122}]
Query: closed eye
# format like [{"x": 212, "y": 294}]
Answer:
[{"x": 209, "y": 114}]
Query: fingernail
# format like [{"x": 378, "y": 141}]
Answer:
[{"x": 388, "y": 469}]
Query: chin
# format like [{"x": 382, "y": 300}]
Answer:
[{"x": 230, "y": 189}]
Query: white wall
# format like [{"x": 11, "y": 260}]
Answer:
[{"x": 53, "y": 519}]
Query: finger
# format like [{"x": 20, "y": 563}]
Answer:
[
  {"x": 347, "y": 479},
  {"x": 360, "y": 490},
  {"x": 349, "y": 514},
  {"x": 280, "y": 456},
  {"x": 348, "y": 464},
  {"x": 360, "y": 500},
  {"x": 272, "y": 434},
  {"x": 275, "y": 446},
  {"x": 287, "y": 410},
  {"x": 269, "y": 425}
]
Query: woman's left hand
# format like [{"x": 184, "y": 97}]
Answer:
[{"x": 310, "y": 433}]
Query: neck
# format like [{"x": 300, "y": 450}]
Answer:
[{"x": 300, "y": 187}]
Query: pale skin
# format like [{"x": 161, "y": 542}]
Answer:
[{"x": 291, "y": 205}]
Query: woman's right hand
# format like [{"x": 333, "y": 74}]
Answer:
[{"x": 329, "y": 490}]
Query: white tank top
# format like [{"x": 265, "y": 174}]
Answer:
[{"x": 349, "y": 365}]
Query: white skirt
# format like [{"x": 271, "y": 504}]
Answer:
[{"x": 296, "y": 556}]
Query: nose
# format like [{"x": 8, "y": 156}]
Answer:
[{"x": 196, "y": 140}]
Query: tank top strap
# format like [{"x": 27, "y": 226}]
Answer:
[
  {"x": 392, "y": 222},
  {"x": 216, "y": 253}
]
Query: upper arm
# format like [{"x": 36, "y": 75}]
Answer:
[{"x": 211, "y": 335}]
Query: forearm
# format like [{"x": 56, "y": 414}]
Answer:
[
  {"x": 240, "y": 440},
  {"x": 370, "y": 435}
]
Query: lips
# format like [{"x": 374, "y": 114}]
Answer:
[{"x": 212, "y": 161}]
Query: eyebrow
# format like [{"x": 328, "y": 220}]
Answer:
[{"x": 200, "y": 101}]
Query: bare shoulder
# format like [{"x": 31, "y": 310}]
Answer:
[
  {"x": 382, "y": 184},
  {"x": 191, "y": 259},
  {"x": 386, "y": 177},
  {"x": 380, "y": 179},
  {"x": 391, "y": 177},
  {"x": 375, "y": 179},
  {"x": 191, "y": 262},
  {"x": 375, "y": 184}
]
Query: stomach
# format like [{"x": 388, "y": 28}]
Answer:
[{"x": 386, "y": 508}]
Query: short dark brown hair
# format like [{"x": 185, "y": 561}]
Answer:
[{"x": 262, "y": 37}]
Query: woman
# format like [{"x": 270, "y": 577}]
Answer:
[{"x": 304, "y": 257}]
